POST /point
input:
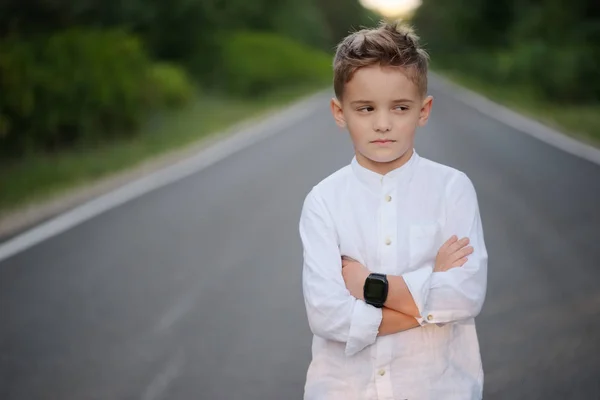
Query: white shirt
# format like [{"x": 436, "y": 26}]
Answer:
[{"x": 393, "y": 224}]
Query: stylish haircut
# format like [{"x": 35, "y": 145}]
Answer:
[{"x": 390, "y": 44}]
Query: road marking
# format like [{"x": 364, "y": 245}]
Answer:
[
  {"x": 185, "y": 304},
  {"x": 515, "y": 120},
  {"x": 230, "y": 145},
  {"x": 163, "y": 379}
]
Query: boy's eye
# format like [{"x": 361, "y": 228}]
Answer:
[
  {"x": 401, "y": 108},
  {"x": 365, "y": 109}
]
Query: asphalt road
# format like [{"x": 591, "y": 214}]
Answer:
[{"x": 193, "y": 291}]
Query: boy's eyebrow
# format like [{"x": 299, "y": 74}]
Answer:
[{"x": 393, "y": 101}]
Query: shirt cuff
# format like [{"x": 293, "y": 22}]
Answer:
[
  {"x": 423, "y": 321},
  {"x": 418, "y": 284},
  {"x": 364, "y": 327},
  {"x": 439, "y": 318}
]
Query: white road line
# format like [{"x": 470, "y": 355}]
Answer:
[
  {"x": 163, "y": 379},
  {"x": 186, "y": 303},
  {"x": 187, "y": 167},
  {"x": 515, "y": 120}
]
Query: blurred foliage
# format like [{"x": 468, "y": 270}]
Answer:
[
  {"x": 169, "y": 85},
  {"x": 551, "y": 46},
  {"x": 91, "y": 69},
  {"x": 187, "y": 31},
  {"x": 256, "y": 63},
  {"x": 344, "y": 16},
  {"x": 76, "y": 83}
]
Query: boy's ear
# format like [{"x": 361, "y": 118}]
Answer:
[
  {"x": 338, "y": 114},
  {"x": 425, "y": 110}
]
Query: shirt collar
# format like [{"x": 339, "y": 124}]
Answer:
[{"x": 374, "y": 180}]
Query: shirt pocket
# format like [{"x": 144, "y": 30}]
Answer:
[{"x": 424, "y": 244}]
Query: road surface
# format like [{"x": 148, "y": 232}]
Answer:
[{"x": 193, "y": 291}]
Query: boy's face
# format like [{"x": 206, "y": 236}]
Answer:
[{"x": 382, "y": 109}]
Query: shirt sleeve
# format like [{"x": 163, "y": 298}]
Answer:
[
  {"x": 333, "y": 313},
  {"x": 418, "y": 283},
  {"x": 459, "y": 293}
]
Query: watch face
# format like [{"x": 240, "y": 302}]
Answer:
[{"x": 375, "y": 290}]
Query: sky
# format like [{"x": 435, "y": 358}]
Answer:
[{"x": 391, "y": 7}]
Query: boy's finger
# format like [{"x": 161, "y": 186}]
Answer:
[
  {"x": 460, "y": 262},
  {"x": 465, "y": 251},
  {"x": 449, "y": 242},
  {"x": 459, "y": 245}
]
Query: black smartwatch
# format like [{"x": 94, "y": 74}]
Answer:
[{"x": 376, "y": 290}]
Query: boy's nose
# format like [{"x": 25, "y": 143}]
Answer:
[
  {"x": 383, "y": 128},
  {"x": 382, "y": 125}
]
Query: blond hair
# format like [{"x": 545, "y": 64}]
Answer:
[{"x": 390, "y": 44}]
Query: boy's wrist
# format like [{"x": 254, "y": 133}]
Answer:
[{"x": 355, "y": 275}]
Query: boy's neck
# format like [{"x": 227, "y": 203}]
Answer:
[{"x": 384, "y": 168}]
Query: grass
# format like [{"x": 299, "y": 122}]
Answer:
[
  {"x": 580, "y": 121},
  {"x": 37, "y": 177}
]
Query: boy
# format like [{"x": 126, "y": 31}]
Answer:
[{"x": 395, "y": 264}]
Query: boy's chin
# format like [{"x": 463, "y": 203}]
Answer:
[{"x": 384, "y": 158}]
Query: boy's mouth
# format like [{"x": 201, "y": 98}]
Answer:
[{"x": 383, "y": 141}]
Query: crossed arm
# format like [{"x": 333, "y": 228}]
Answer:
[
  {"x": 428, "y": 295},
  {"x": 400, "y": 312}
]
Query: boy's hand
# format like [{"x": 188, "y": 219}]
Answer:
[
  {"x": 355, "y": 274},
  {"x": 452, "y": 254}
]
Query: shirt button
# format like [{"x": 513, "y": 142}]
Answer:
[
  {"x": 382, "y": 372},
  {"x": 388, "y": 241},
  {"x": 388, "y": 198},
  {"x": 429, "y": 317}
]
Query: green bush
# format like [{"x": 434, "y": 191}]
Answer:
[
  {"x": 170, "y": 85},
  {"x": 562, "y": 73},
  {"x": 70, "y": 86},
  {"x": 255, "y": 63}
]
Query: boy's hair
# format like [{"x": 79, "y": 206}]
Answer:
[{"x": 390, "y": 44}]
